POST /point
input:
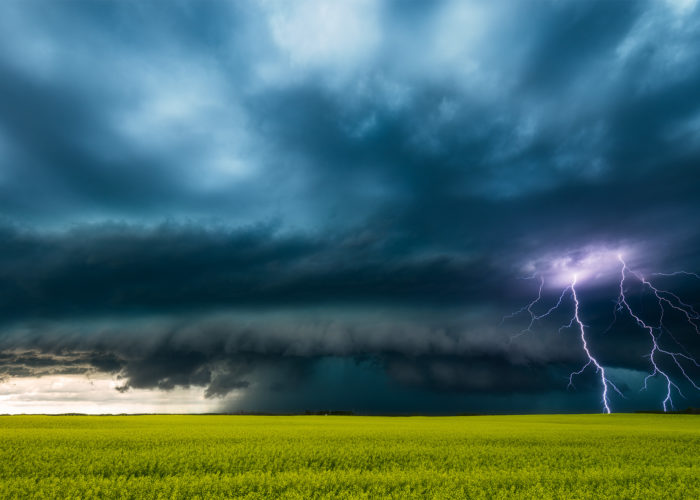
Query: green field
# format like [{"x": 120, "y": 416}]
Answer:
[{"x": 589, "y": 456}]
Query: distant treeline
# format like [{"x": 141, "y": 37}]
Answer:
[
  {"x": 687, "y": 411},
  {"x": 329, "y": 412}
]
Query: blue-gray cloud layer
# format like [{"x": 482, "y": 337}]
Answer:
[{"x": 239, "y": 195}]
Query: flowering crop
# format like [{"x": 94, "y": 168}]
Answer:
[{"x": 179, "y": 456}]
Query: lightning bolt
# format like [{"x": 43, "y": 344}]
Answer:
[
  {"x": 575, "y": 318},
  {"x": 591, "y": 360},
  {"x": 678, "y": 273},
  {"x": 534, "y": 318},
  {"x": 667, "y": 301},
  {"x": 664, "y": 299}
]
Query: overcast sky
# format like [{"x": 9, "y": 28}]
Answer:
[{"x": 282, "y": 206}]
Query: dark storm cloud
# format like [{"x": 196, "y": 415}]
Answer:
[
  {"x": 268, "y": 354},
  {"x": 124, "y": 269},
  {"x": 246, "y": 191}
]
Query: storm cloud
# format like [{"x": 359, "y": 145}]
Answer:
[{"x": 287, "y": 202}]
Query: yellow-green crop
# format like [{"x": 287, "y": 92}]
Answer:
[{"x": 141, "y": 457}]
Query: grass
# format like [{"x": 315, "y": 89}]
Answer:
[{"x": 179, "y": 456}]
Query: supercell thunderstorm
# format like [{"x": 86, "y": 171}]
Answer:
[{"x": 565, "y": 274}]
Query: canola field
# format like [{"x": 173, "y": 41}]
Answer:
[{"x": 156, "y": 456}]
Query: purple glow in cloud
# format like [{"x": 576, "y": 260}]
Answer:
[{"x": 596, "y": 263}]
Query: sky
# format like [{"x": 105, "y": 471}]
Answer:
[{"x": 272, "y": 206}]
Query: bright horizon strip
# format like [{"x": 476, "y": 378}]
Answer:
[{"x": 56, "y": 394}]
